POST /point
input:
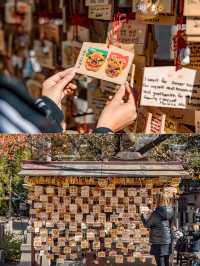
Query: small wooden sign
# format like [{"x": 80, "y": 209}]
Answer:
[
  {"x": 104, "y": 12},
  {"x": 193, "y": 26}
]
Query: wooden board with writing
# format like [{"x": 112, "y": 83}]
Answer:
[
  {"x": 193, "y": 26},
  {"x": 162, "y": 19},
  {"x": 166, "y": 87},
  {"x": 155, "y": 123},
  {"x": 132, "y": 32},
  {"x": 197, "y": 122},
  {"x": 101, "y": 12},
  {"x": 96, "y": 2},
  {"x": 165, "y": 6},
  {"x": 194, "y": 55},
  {"x": 2, "y": 42}
]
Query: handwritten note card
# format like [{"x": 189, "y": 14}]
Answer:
[
  {"x": 192, "y": 8},
  {"x": 166, "y": 87}
]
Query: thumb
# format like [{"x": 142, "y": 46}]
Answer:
[
  {"x": 120, "y": 94},
  {"x": 65, "y": 80},
  {"x": 131, "y": 98}
]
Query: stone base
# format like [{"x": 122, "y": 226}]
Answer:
[
  {"x": 26, "y": 257},
  {"x": 1, "y": 257}
]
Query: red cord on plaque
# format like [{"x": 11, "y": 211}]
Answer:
[
  {"x": 181, "y": 49},
  {"x": 114, "y": 35}
]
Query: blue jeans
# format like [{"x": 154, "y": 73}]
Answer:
[{"x": 195, "y": 263}]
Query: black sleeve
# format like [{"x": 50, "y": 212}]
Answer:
[
  {"x": 196, "y": 235},
  {"x": 28, "y": 115},
  {"x": 53, "y": 113},
  {"x": 102, "y": 130},
  {"x": 148, "y": 222}
]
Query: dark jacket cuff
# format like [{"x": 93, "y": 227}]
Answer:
[
  {"x": 53, "y": 112},
  {"x": 103, "y": 130}
]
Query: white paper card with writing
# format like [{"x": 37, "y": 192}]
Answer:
[
  {"x": 192, "y": 8},
  {"x": 166, "y": 87}
]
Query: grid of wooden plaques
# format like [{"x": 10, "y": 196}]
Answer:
[{"x": 69, "y": 222}]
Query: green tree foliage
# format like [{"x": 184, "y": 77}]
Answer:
[
  {"x": 10, "y": 244},
  {"x": 13, "y": 149}
]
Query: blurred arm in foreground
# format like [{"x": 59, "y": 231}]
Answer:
[{"x": 20, "y": 113}]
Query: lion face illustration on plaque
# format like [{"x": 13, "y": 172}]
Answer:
[
  {"x": 95, "y": 58},
  {"x": 116, "y": 63}
]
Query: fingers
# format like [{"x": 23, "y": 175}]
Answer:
[
  {"x": 131, "y": 98},
  {"x": 120, "y": 94},
  {"x": 60, "y": 75},
  {"x": 66, "y": 79},
  {"x": 110, "y": 98},
  {"x": 70, "y": 89}
]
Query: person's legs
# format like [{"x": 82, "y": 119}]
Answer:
[
  {"x": 166, "y": 258},
  {"x": 160, "y": 261}
]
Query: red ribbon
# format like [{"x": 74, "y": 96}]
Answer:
[
  {"x": 179, "y": 40},
  {"x": 79, "y": 20},
  {"x": 118, "y": 20}
]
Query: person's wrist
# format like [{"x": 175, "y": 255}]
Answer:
[
  {"x": 102, "y": 124},
  {"x": 103, "y": 130}
]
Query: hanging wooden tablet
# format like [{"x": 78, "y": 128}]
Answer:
[
  {"x": 73, "y": 208},
  {"x": 194, "y": 55},
  {"x": 197, "y": 122},
  {"x": 108, "y": 242},
  {"x": 85, "y": 208},
  {"x": 85, "y": 191},
  {"x": 45, "y": 53},
  {"x": 50, "y": 190},
  {"x": 132, "y": 33},
  {"x": 90, "y": 235},
  {"x": 90, "y": 219},
  {"x": 193, "y": 26},
  {"x": 131, "y": 259},
  {"x": 79, "y": 217},
  {"x": 119, "y": 259},
  {"x": 19, "y": 13},
  {"x": 162, "y": 17},
  {"x": 2, "y": 42},
  {"x": 50, "y": 31},
  {"x": 73, "y": 227},
  {"x": 67, "y": 250},
  {"x": 155, "y": 123},
  {"x": 96, "y": 245},
  {"x": 102, "y": 12},
  {"x": 70, "y": 53},
  {"x": 96, "y": 2}
]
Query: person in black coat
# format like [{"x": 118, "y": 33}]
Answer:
[
  {"x": 160, "y": 223},
  {"x": 20, "y": 113},
  {"x": 195, "y": 246}
]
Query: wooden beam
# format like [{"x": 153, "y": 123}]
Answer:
[{"x": 103, "y": 173}]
